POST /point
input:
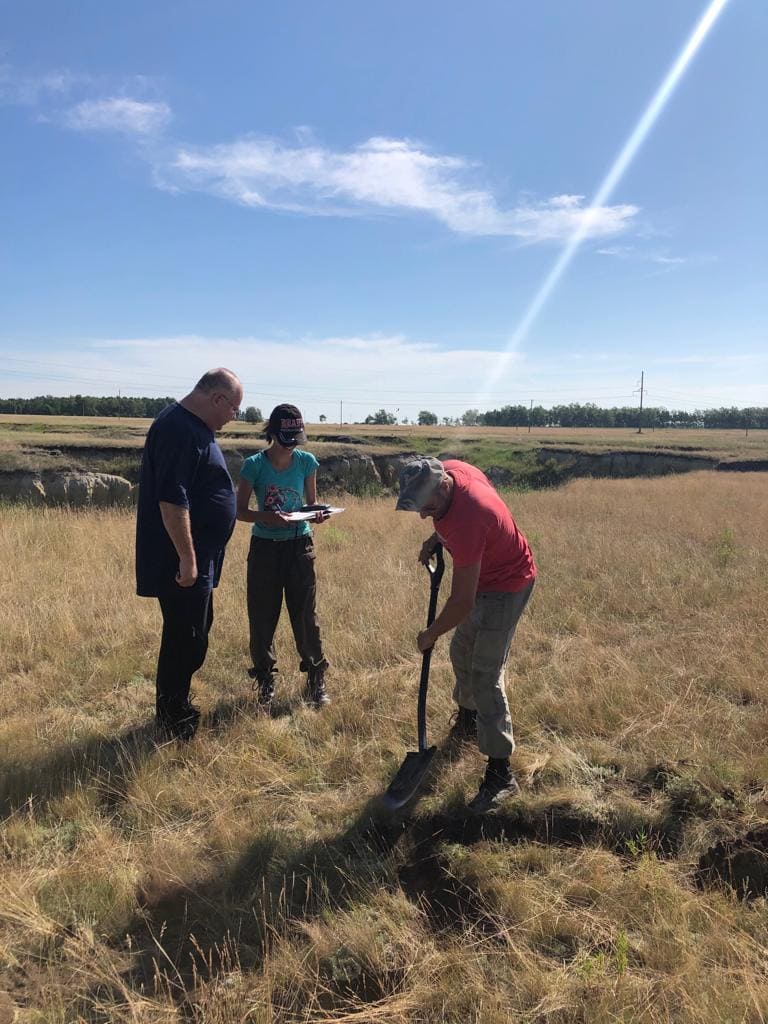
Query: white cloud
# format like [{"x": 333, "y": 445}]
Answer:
[
  {"x": 615, "y": 250},
  {"x": 390, "y": 176},
  {"x": 642, "y": 255},
  {"x": 368, "y": 372},
  {"x": 30, "y": 90},
  {"x": 381, "y": 175},
  {"x": 119, "y": 114}
]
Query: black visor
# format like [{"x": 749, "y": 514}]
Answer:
[{"x": 289, "y": 438}]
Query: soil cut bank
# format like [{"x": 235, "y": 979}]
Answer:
[{"x": 94, "y": 476}]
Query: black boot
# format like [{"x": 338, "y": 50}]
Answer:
[
  {"x": 464, "y": 728},
  {"x": 263, "y": 686},
  {"x": 177, "y": 720},
  {"x": 315, "y": 692},
  {"x": 499, "y": 784}
]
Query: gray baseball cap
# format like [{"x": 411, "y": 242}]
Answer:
[{"x": 418, "y": 480}]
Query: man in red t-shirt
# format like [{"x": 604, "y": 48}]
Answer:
[{"x": 493, "y": 576}]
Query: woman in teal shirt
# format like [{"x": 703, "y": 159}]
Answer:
[{"x": 281, "y": 558}]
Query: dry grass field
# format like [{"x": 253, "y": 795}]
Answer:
[
  {"x": 250, "y": 876},
  {"x": 117, "y": 432}
]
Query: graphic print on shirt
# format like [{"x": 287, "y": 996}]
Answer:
[{"x": 281, "y": 499}]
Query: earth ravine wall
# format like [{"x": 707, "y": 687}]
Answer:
[
  {"x": 76, "y": 490},
  {"x": 624, "y": 463},
  {"x": 359, "y": 473}
]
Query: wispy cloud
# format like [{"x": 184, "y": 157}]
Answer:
[
  {"x": 30, "y": 90},
  {"x": 643, "y": 255},
  {"x": 622, "y": 251},
  {"x": 119, "y": 114},
  {"x": 365, "y": 371},
  {"x": 368, "y": 371},
  {"x": 381, "y": 175},
  {"x": 78, "y": 101}
]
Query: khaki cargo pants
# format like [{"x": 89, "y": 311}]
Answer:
[{"x": 479, "y": 650}]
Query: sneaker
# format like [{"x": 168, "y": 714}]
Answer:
[
  {"x": 498, "y": 785},
  {"x": 263, "y": 686},
  {"x": 315, "y": 692},
  {"x": 464, "y": 727}
]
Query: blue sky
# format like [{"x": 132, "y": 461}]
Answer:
[{"x": 359, "y": 202}]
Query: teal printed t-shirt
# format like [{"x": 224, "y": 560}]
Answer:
[{"x": 278, "y": 491}]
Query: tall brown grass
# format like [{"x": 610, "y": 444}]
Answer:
[{"x": 250, "y": 876}]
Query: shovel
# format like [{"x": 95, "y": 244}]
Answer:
[{"x": 416, "y": 763}]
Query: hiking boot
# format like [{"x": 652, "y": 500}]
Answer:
[
  {"x": 315, "y": 692},
  {"x": 498, "y": 785},
  {"x": 263, "y": 686},
  {"x": 178, "y": 721},
  {"x": 464, "y": 728}
]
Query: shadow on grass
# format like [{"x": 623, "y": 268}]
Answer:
[
  {"x": 106, "y": 762},
  {"x": 187, "y": 933}
]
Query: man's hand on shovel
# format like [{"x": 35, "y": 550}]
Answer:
[{"x": 425, "y": 640}]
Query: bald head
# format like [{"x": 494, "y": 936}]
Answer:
[
  {"x": 216, "y": 397},
  {"x": 219, "y": 379}
]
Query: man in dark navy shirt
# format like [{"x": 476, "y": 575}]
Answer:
[{"x": 186, "y": 514}]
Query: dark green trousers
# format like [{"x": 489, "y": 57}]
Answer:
[{"x": 277, "y": 567}]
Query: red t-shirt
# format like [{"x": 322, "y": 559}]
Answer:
[{"x": 478, "y": 527}]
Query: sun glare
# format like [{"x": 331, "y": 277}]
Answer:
[{"x": 619, "y": 167}]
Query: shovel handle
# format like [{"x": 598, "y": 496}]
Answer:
[
  {"x": 435, "y": 568},
  {"x": 435, "y": 576}
]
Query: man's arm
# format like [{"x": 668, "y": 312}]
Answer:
[
  {"x": 178, "y": 527},
  {"x": 456, "y": 608}
]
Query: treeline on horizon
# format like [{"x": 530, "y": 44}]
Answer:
[
  {"x": 589, "y": 415},
  {"x": 85, "y": 405},
  {"x": 572, "y": 415}
]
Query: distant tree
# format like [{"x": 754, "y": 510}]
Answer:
[
  {"x": 322, "y": 417},
  {"x": 253, "y": 415},
  {"x": 381, "y": 418},
  {"x": 427, "y": 418},
  {"x": 470, "y": 418}
]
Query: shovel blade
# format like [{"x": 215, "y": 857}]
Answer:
[{"x": 408, "y": 778}]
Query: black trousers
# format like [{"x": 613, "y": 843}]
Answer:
[
  {"x": 274, "y": 568},
  {"x": 187, "y": 620}
]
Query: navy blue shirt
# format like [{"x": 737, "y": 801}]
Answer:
[{"x": 183, "y": 465}]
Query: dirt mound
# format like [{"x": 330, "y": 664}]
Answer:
[{"x": 740, "y": 863}]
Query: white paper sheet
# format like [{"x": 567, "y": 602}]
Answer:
[{"x": 300, "y": 517}]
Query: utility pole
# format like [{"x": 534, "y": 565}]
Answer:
[
  {"x": 642, "y": 388},
  {"x": 341, "y": 414},
  {"x": 530, "y": 411}
]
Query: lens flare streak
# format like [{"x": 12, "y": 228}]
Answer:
[{"x": 604, "y": 192}]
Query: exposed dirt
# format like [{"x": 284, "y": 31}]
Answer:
[
  {"x": 448, "y": 902},
  {"x": 740, "y": 863}
]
